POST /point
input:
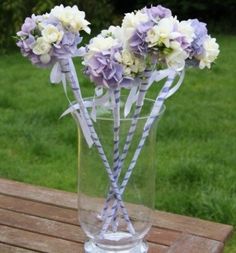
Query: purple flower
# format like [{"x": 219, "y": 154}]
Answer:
[
  {"x": 68, "y": 45},
  {"x": 28, "y": 26},
  {"x": 104, "y": 70},
  {"x": 158, "y": 12},
  {"x": 138, "y": 44},
  {"x": 200, "y": 31}
]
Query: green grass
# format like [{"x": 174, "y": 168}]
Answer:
[{"x": 197, "y": 136}]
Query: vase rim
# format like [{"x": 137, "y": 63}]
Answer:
[{"x": 107, "y": 118}]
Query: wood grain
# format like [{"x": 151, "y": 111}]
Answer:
[
  {"x": 35, "y": 241},
  {"x": 195, "y": 244},
  {"x": 42, "y": 226},
  {"x": 4, "y": 248},
  {"x": 49, "y": 211},
  {"x": 37, "y": 193},
  {"x": 194, "y": 226}
]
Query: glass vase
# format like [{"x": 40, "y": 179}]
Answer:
[{"x": 94, "y": 185}]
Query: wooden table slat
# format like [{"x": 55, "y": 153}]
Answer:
[
  {"x": 195, "y": 244},
  {"x": 39, "y": 209},
  {"x": 42, "y": 226},
  {"x": 4, "y": 248},
  {"x": 38, "y": 193},
  {"x": 195, "y": 226},
  {"x": 35, "y": 241},
  {"x": 155, "y": 248}
]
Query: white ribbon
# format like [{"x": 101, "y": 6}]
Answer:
[
  {"x": 56, "y": 76},
  {"x": 177, "y": 86},
  {"x": 161, "y": 74},
  {"x": 158, "y": 75},
  {"x": 133, "y": 96}
]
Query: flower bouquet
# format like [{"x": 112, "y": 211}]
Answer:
[{"x": 117, "y": 125}]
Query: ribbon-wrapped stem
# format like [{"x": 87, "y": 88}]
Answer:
[
  {"x": 148, "y": 125},
  {"x": 115, "y": 94},
  {"x": 139, "y": 103},
  {"x": 71, "y": 77}
]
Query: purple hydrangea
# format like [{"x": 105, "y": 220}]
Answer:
[
  {"x": 68, "y": 46},
  {"x": 29, "y": 33},
  {"x": 200, "y": 31},
  {"x": 104, "y": 70},
  {"x": 28, "y": 26},
  {"x": 138, "y": 44},
  {"x": 158, "y": 12}
]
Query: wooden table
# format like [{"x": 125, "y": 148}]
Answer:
[{"x": 37, "y": 219}]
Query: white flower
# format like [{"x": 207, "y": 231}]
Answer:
[
  {"x": 51, "y": 34},
  {"x": 211, "y": 51},
  {"x": 41, "y": 46},
  {"x": 115, "y": 32},
  {"x": 127, "y": 58},
  {"x": 99, "y": 44},
  {"x": 71, "y": 17},
  {"x": 45, "y": 58},
  {"x": 176, "y": 59},
  {"x": 132, "y": 65},
  {"x": 131, "y": 22},
  {"x": 185, "y": 28},
  {"x": 162, "y": 33},
  {"x": 153, "y": 36},
  {"x": 139, "y": 65}
]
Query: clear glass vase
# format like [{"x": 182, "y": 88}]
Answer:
[{"x": 94, "y": 185}]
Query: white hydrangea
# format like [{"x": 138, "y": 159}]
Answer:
[
  {"x": 71, "y": 17},
  {"x": 51, "y": 34},
  {"x": 99, "y": 44},
  {"x": 131, "y": 21},
  {"x": 132, "y": 65},
  {"x": 162, "y": 33},
  {"x": 41, "y": 46},
  {"x": 185, "y": 28},
  {"x": 176, "y": 59},
  {"x": 211, "y": 51}
]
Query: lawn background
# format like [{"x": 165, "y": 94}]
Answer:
[{"x": 197, "y": 136}]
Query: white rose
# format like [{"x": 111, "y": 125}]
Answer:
[
  {"x": 71, "y": 17},
  {"x": 185, "y": 28},
  {"x": 211, "y": 51},
  {"x": 51, "y": 34},
  {"x": 41, "y": 46},
  {"x": 176, "y": 59}
]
